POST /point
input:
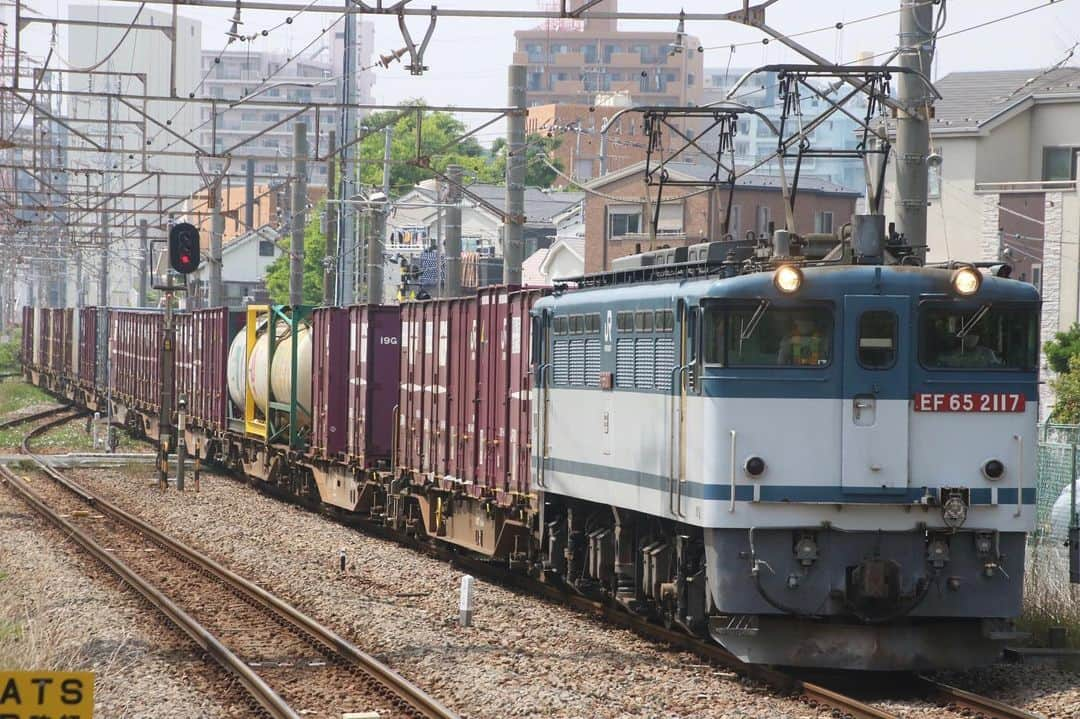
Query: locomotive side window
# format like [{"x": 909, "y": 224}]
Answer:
[
  {"x": 712, "y": 337},
  {"x": 764, "y": 336},
  {"x": 877, "y": 339},
  {"x": 979, "y": 338},
  {"x": 643, "y": 321}
]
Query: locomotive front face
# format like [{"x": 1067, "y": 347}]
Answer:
[{"x": 871, "y": 437}]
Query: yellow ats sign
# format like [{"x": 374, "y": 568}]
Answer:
[{"x": 46, "y": 695}]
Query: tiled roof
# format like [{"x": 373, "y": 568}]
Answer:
[{"x": 970, "y": 99}]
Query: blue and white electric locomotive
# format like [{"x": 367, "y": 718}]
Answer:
[{"x": 826, "y": 463}]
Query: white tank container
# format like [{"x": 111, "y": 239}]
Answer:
[
  {"x": 237, "y": 370},
  {"x": 281, "y": 371},
  {"x": 252, "y": 373}
]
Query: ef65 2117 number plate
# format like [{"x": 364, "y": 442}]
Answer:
[{"x": 969, "y": 402}]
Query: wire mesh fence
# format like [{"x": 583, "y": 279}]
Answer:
[
  {"x": 1058, "y": 463},
  {"x": 1049, "y": 599}
]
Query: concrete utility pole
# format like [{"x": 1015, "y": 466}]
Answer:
[
  {"x": 515, "y": 178},
  {"x": 144, "y": 263},
  {"x": 331, "y": 260},
  {"x": 377, "y": 239},
  {"x": 80, "y": 293},
  {"x": 103, "y": 276},
  {"x": 217, "y": 229},
  {"x": 346, "y": 220},
  {"x": 299, "y": 215},
  {"x": 912, "y": 123},
  {"x": 453, "y": 232},
  {"x": 249, "y": 194}
]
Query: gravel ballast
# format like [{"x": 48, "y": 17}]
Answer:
[
  {"x": 60, "y": 609},
  {"x": 522, "y": 657}
]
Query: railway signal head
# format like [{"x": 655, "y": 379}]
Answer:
[{"x": 184, "y": 248}]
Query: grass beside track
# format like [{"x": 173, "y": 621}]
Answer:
[
  {"x": 16, "y": 395},
  {"x": 1049, "y": 599}
]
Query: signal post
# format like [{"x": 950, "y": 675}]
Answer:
[{"x": 183, "y": 259}]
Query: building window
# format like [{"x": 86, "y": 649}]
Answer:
[
  {"x": 266, "y": 248},
  {"x": 623, "y": 223},
  {"x": 590, "y": 54},
  {"x": 823, "y": 222},
  {"x": 1059, "y": 163},
  {"x": 1036, "y": 277},
  {"x": 690, "y": 79}
]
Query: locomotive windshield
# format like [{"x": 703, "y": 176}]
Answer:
[
  {"x": 760, "y": 336},
  {"x": 979, "y": 338}
]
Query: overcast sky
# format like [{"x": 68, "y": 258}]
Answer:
[{"x": 468, "y": 57}]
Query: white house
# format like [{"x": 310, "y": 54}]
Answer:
[
  {"x": 244, "y": 262},
  {"x": 417, "y": 219},
  {"x": 1006, "y": 186}
]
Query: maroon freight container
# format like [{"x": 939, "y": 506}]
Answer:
[
  {"x": 28, "y": 336},
  {"x": 330, "y": 389},
  {"x": 494, "y": 386},
  {"x": 375, "y": 366},
  {"x": 410, "y": 405},
  {"x": 135, "y": 356},
  {"x": 87, "y": 346},
  {"x": 520, "y": 424},
  {"x": 67, "y": 342},
  {"x": 461, "y": 420},
  {"x": 432, "y": 360},
  {"x": 202, "y": 346}
]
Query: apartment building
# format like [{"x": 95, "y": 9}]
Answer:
[
  {"x": 270, "y": 76},
  {"x": 571, "y": 62}
]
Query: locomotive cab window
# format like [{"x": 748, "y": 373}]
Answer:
[
  {"x": 765, "y": 336},
  {"x": 877, "y": 339},
  {"x": 979, "y": 338}
]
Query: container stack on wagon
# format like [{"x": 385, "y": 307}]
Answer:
[
  {"x": 464, "y": 404},
  {"x": 432, "y": 396}
]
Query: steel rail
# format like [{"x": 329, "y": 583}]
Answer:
[
  {"x": 781, "y": 682},
  {"x": 263, "y": 694},
  {"x": 9, "y": 422},
  {"x": 970, "y": 703},
  {"x": 419, "y": 701}
]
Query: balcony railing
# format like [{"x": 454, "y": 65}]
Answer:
[{"x": 1026, "y": 186}]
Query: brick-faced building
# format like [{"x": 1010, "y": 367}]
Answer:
[{"x": 617, "y": 222}]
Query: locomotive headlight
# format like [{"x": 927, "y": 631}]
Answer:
[
  {"x": 966, "y": 281},
  {"x": 788, "y": 279}
]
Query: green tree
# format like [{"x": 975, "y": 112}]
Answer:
[
  {"x": 1066, "y": 387},
  {"x": 437, "y": 131},
  {"x": 537, "y": 172},
  {"x": 1060, "y": 350},
  {"x": 277, "y": 275}
]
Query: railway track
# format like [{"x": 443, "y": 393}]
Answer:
[
  {"x": 948, "y": 698},
  {"x": 290, "y": 665},
  {"x": 969, "y": 703}
]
